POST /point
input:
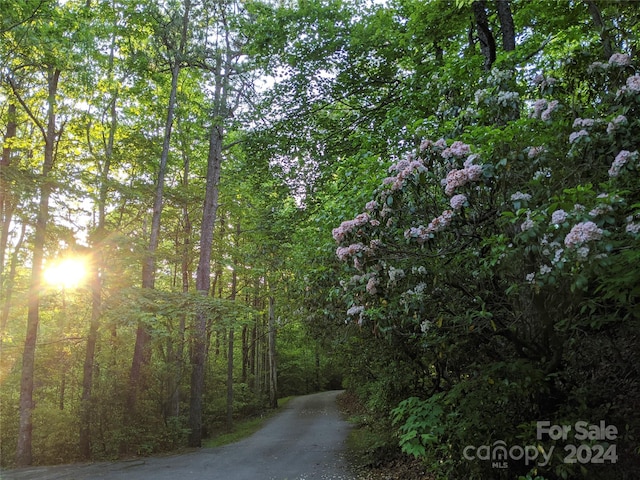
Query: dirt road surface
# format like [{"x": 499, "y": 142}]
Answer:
[{"x": 303, "y": 442}]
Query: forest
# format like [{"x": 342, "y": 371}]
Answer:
[{"x": 207, "y": 205}]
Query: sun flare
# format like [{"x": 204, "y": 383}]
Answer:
[{"x": 67, "y": 273}]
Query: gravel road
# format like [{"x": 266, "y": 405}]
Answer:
[{"x": 303, "y": 442}]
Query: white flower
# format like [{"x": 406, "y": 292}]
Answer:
[
  {"x": 558, "y": 217},
  {"x": 544, "y": 269},
  {"x": 620, "y": 59},
  {"x": 520, "y": 196},
  {"x": 458, "y": 201},
  {"x": 576, "y": 135},
  {"x": 425, "y": 326}
]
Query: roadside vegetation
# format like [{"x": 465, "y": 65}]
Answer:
[{"x": 207, "y": 205}]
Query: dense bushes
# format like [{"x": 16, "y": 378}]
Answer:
[{"x": 499, "y": 262}]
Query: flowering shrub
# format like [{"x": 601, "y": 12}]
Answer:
[{"x": 480, "y": 257}]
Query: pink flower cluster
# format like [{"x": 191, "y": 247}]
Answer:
[
  {"x": 457, "y": 149},
  {"x": 345, "y": 227},
  {"x": 581, "y": 233},
  {"x": 615, "y": 123},
  {"x": 535, "y": 151},
  {"x": 458, "y": 201},
  {"x": 620, "y": 59},
  {"x": 633, "y": 85},
  {"x": 371, "y": 206},
  {"x": 422, "y": 233},
  {"x": 458, "y": 178},
  {"x": 345, "y": 252},
  {"x": 620, "y": 161},
  {"x": 405, "y": 168},
  {"x": 558, "y": 217},
  {"x": 372, "y": 285},
  {"x": 576, "y": 135},
  {"x": 543, "y": 109},
  {"x": 583, "y": 122}
]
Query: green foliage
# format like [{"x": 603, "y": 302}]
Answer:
[
  {"x": 419, "y": 424},
  {"x": 462, "y": 333},
  {"x": 498, "y": 294}
]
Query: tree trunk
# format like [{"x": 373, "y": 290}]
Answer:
[
  {"x": 506, "y": 25},
  {"x": 596, "y": 15},
  {"x": 6, "y": 202},
  {"x": 487, "y": 42},
  {"x": 8, "y": 287},
  {"x": 245, "y": 353},
  {"x": 97, "y": 267},
  {"x": 273, "y": 372},
  {"x": 178, "y": 358},
  {"x": 142, "y": 352},
  {"x": 203, "y": 282},
  {"x": 234, "y": 291},
  {"x": 25, "y": 429},
  {"x": 87, "y": 378}
]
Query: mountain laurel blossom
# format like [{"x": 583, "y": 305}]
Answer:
[
  {"x": 558, "y": 217},
  {"x": 542, "y": 173},
  {"x": 538, "y": 107},
  {"x": 422, "y": 233},
  {"x": 632, "y": 85},
  {"x": 620, "y": 59},
  {"x": 581, "y": 233},
  {"x": 441, "y": 222},
  {"x": 458, "y": 201},
  {"x": 576, "y": 135},
  {"x": 345, "y": 252},
  {"x": 395, "y": 274},
  {"x": 535, "y": 152},
  {"x": 458, "y": 178},
  {"x": 528, "y": 224},
  {"x": 457, "y": 149},
  {"x": 520, "y": 196},
  {"x": 620, "y": 161},
  {"x": 597, "y": 66},
  {"x": 372, "y": 285},
  {"x": 345, "y": 227},
  {"x": 544, "y": 269},
  {"x": 583, "y": 122},
  {"x": 633, "y": 228},
  {"x": 552, "y": 107},
  {"x": 615, "y": 123},
  {"x": 600, "y": 210}
]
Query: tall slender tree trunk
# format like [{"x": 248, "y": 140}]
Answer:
[
  {"x": 24, "y": 454},
  {"x": 485, "y": 37},
  {"x": 271, "y": 353},
  {"x": 245, "y": 353},
  {"x": 7, "y": 206},
  {"x": 97, "y": 267},
  {"x": 506, "y": 25},
  {"x": 8, "y": 286},
  {"x": 605, "y": 36},
  {"x": 142, "y": 351},
  {"x": 203, "y": 282},
  {"x": 234, "y": 291},
  {"x": 178, "y": 359},
  {"x": 6, "y": 201}
]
